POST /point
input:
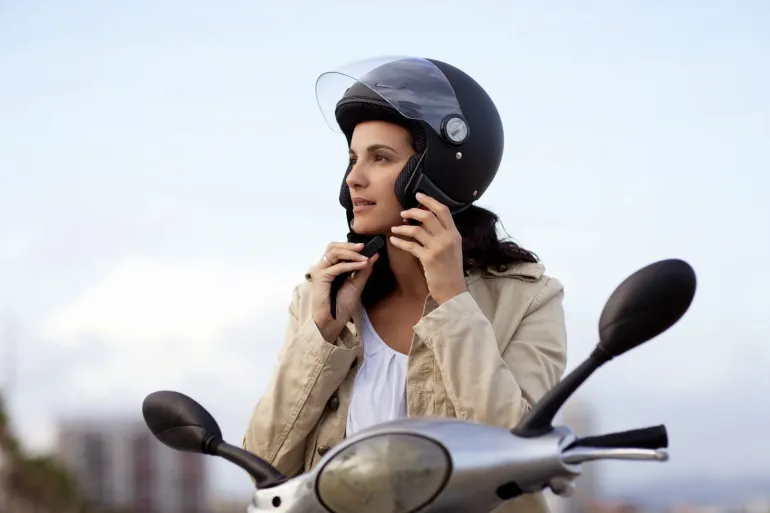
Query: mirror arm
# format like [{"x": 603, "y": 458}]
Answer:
[
  {"x": 601, "y": 355},
  {"x": 265, "y": 475},
  {"x": 539, "y": 419},
  {"x": 210, "y": 443}
]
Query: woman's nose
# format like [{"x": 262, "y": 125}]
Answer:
[{"x": 356, "y": 177}]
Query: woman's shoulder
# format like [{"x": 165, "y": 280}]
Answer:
[
  {"x": 527, "y": 271},
  {"x": 524, "y": 283}
]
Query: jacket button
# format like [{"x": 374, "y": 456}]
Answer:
[
  {"x": 334, "y": 403},
  {"x": 323, "y": 450}
]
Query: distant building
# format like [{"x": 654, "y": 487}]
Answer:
[{"x": 120, "y": 464}]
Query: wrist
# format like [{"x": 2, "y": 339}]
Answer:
[
  {"x": 441, "y": 297},
  {"x": 328, "y": 327}
]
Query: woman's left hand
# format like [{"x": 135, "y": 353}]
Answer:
[{"x": 437, "y": 244}]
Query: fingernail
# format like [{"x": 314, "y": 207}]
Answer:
[{"x": 420, "y": 195}]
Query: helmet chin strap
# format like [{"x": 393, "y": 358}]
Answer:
[{"x": 373, "y": 244}]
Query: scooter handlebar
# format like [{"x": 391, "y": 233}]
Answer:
[
  {"x": 653, "y": 437},
  {"x": 580, "y": 455}
]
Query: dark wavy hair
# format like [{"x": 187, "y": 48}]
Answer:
[{"x": 483, "y": 248}]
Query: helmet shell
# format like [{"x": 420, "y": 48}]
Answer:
[{"x": 457, "y": 172}]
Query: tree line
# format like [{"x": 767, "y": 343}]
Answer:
[{"x": 36, "y": 484}]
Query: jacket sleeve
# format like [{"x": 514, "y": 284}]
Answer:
[
  {"x": 309, "y": 370},
  {"x": 483, "y": 384}
]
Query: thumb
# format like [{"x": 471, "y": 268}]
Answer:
[{"x": 362, "y": 276}]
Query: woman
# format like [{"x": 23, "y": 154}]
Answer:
[{"x": 447, "y": 319}]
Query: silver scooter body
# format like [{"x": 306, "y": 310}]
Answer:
[{"x": 431, "y": 465}]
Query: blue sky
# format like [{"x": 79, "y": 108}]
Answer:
[{"x": 166, "y": 177}]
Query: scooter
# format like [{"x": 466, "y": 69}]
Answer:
[{"x": 423, "y": 465}]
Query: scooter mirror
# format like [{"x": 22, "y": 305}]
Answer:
[
  {"x": 179, "y": 421},
  {"x": 182, "y": 424},
  {"x": 645, "y": 305}
]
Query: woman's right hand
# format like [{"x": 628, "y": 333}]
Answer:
[{"x": 340, "y": 257}]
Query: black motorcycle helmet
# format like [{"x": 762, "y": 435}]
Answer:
[{"x": 455, "y": 125}]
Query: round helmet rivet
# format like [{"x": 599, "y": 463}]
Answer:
[
  {"x": 475, "y": 193},
  {"x": 458, "y": 155}
]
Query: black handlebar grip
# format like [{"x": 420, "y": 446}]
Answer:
[
  {"x": 372, "y": 247},
  {"x": 653, "y": 437}
]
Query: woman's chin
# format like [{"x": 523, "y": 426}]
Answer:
[{"x": 361, "y": 227}]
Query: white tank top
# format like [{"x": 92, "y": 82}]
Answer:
[{"x": 379, "y": 390}]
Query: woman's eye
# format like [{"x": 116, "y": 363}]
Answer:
[
  {"x": 380, "y": 158},
  {"x": 352, "y": 161}
]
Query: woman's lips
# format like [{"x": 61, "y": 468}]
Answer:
[{"x": 362, "y": 207}]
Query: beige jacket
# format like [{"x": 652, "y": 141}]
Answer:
[{"x": 484, "y": 356}]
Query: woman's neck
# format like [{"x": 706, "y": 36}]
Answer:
[{"x": 408, "y": 273}]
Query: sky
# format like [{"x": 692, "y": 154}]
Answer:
[{"x": 166, "y": 178}]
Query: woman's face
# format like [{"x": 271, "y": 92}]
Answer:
[{"x": 378, "y": 153}]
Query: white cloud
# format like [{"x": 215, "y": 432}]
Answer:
[
  {"x": 151, "y": 324},
  {"x": 158, "y": 322},
  {"x": 144, "y": 302}
]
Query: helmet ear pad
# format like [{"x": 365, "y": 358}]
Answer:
[{"x": 350, "y": 114}]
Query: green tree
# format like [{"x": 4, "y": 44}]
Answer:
[{"x": 38, "y": 480}]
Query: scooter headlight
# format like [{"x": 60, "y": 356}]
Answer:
[{"x": 388, "y": 473}]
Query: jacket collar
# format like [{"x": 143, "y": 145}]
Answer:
[
  {"x": 526, "y": 271},
  {"x": 523, "y": 271}
]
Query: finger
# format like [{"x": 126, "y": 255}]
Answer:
[
  {"x": 442, "y": 211},
  {"x": 408, "y": 246},
  {"x": 336, "y": 255},
  {"x": 343, "y": 267},
  {"x": 426, "y": 217},
  {"x": 327, "y": 258},
  {"x": 360, "y": 278},
  {"x": 352, "y": 246},
  {"x": 417, "y": 233}
]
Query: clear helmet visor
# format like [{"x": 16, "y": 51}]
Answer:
[{"x": 413, "y": 86}]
